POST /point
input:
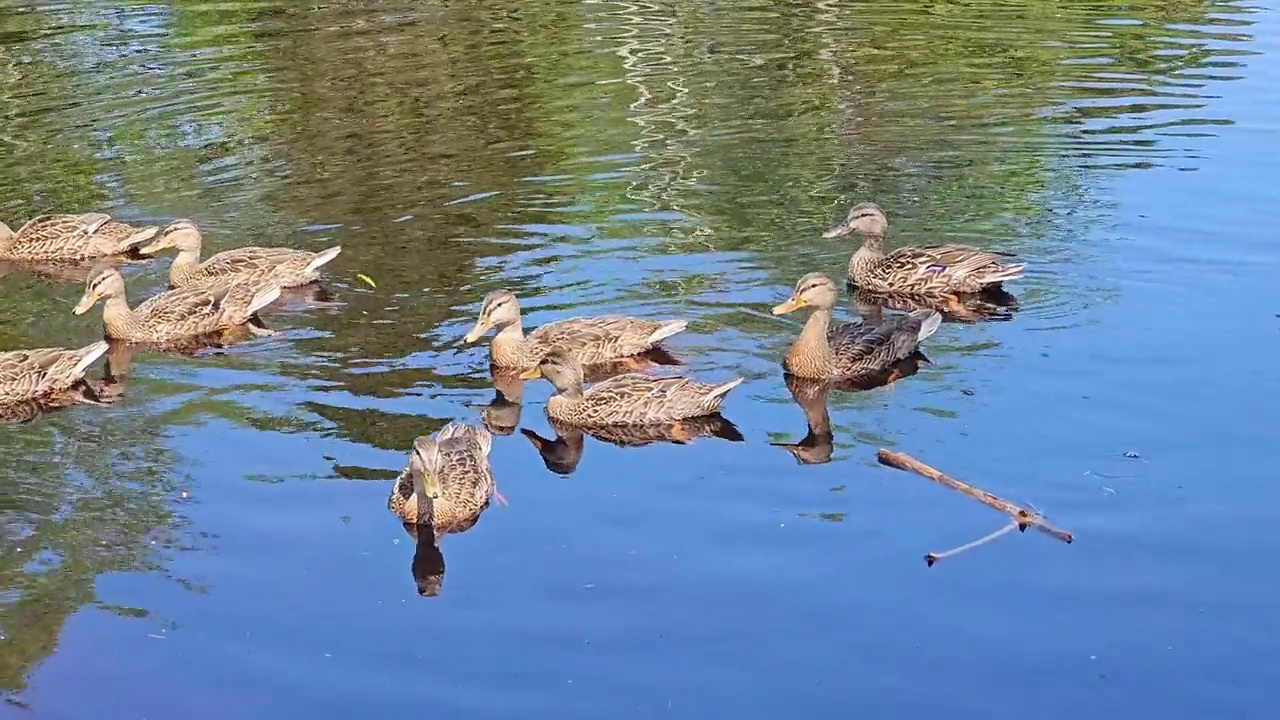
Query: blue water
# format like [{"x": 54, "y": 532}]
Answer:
[{"x": 253, "y": 570}]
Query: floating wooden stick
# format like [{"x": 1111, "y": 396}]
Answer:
[
  {"x": 931, "y": 558},
  {"x": 1022, "y": 517}
]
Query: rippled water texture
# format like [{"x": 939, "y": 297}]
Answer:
[{"x": 216, "y": 543}]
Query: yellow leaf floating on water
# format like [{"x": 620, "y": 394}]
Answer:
[{"x": 366, "y": 278}]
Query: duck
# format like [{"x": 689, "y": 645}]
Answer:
[
  {"x": 628, "y": 399},
  {"x": 448, "y": 482},
  {"x": 38, "y": 374},
  {"x": 589, "y": 340},
  {"x": 80, "y": 237},
  {"x": 178, "y": 315},
  {"x": 934, "y": 270},
  {"x": 848, "y": 350},
  {"x": 285, "y": 267}
]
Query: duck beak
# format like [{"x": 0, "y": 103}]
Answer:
[
  {"x": 538, "y": 442},
  {"x": 532, "y": 373},
  {"x": 432, "y": 484},
  {"x": 835, "y": 232},
  {"x": 86, "y": 302},
  {"x": 482, "y": 326},
  {"x": 792, "y": 303}
]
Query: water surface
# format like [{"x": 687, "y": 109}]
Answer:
[{"x": 216, "y": 543}]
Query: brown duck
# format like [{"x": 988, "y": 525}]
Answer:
[
  {"x": 589, "y": 340},
  {"x": 35, "y": 374},
  {"x": 72, "y": 238},
  {"x": 448, "y": 482},
  {"x": 285, "y": 267},
  {"x": 174, "y": 316},
  {"x": 848, "y": 350},
  {"x": 631, "y": 399},
  {"x": 931, "y": 270}
]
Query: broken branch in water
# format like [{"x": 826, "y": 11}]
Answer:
[
  {"x": 1022, "y": 517},
  {"x": 931, "y": 558}
]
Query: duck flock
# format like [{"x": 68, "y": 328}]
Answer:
[{"x": 448, "y": 482}]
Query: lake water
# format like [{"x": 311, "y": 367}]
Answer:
[{"x": 216, "y": 543}]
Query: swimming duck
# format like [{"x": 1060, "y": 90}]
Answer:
[
  {"x": 72, "y": 237},
  {"x": 27, "y": 375},
  {"x": 851, "y": 349},
  {"x": 631, "y": 399},
  {"x": 930, "y": 270},
  {"x": 175, "y": 315},
  {"x": 589, "y": 340},
  {"x": 283, "y": 266},
  {"x": 448, "y": 482}
]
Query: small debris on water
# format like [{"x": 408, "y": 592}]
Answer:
[
  {"x": 1132, "y": 455},
  {"x": 367, "y": 279},
  {"x": 966, "y": 391}
]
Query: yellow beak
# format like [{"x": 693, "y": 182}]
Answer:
[
  {"x": 432, "y": 484},
  {"x": 85, "y": 303},
  {"x": 480, "y": 329},
  {"x": 792, "y": 303},
  {"x": 532, "y": 373}
]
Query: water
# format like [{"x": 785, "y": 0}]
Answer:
[{"x": 216, "y": 543}]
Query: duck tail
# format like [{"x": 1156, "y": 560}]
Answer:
[
  {"x": 474, "y": 433},
  {"x": 94, "y": 222},
  {"x": 89, "y": 355},
  {"x": 930, "y": 321},
  {"x": 265, "y": 295},
  {"x": 138, "y": 238},
  {"x": 1005, "y": 273},
  {"x": 719, "y": 391},
  {"x": 666, "y": 330},
  {"x": 323, "y": 258}
]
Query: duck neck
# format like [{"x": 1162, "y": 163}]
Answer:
[
  {"x": 117, "y": 318},
  {"x": 509, "y": 348},
  {"x": 184, "y": 266},
  {"x": 420, "y": 505},
  {"x": 564, "y": 401},
  {"x": 810, "y": 355},
  {"x": 867, "y": 257}
]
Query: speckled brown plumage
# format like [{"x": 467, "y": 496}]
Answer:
[
  {"x": 176, "y": 315},
  {"x": 631, "y": 399},
  {"x": 448, "y": 482},
  {"x": 928, "y": 270},
  {"x": 72, "y": 237},
  {"x": 851, "y": 349},
  {"x": 82, "y": 392},
  {"x": 992, "y": 304},
  {"x": 589, "y": 340},
  {"x": 282, "y": 266},
  {"x": 40, "y": 372}
]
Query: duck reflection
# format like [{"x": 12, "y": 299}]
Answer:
[
  {"x": 427, "y": 566},
  {"x": 816, "y": 447},
  {"x": 992, "y": 305},
  {"x": 562, "y": 454},
  {"x": 502, "y": 415}
]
